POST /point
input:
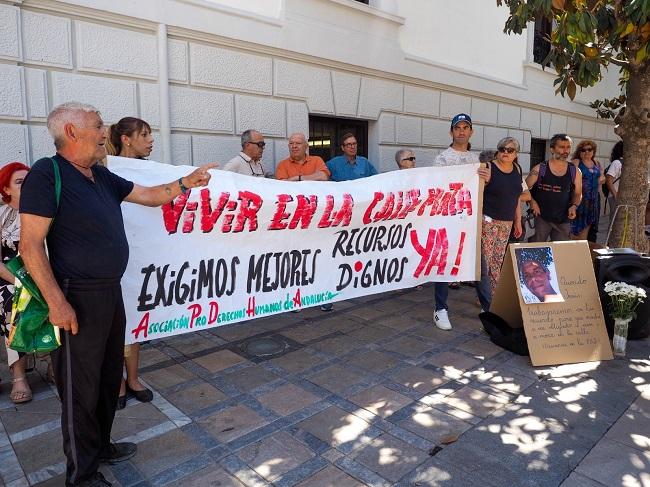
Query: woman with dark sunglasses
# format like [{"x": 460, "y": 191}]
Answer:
[
  {"x": 501, "y": 210},
  {"x": 588, "y": 212}
]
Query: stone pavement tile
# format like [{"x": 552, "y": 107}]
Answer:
[
  {"x": 16, "y": 421},
  {"x": 210, "y": 476},
  {"x": 150, "y": 355},
  {"x": 239, "y": 331},
  {"x": 232, "y": 423},
  {"x": 453, "y": 363},
  {"x": 374, "y": 361},
  {"x": 337, "y": 428},
  {"x": 306, "y": 333},
  {"x": 612, "y": 463},
  {"x": 399, "y": 322},
  {"x": 475, "y": 402},
  {"x": 336, "y": 346},
  {"x": 336, "y": 378},
  {"x": 380, "y": 400},
  {"x": 632, "y": 428},
  {"x": 430, "y": 423},
  {"x": 168, "y": 376},
  {"x": 220, "y": 360},
  {"x": 520, "y": 365},
  {"x": 250, "y": 378},
  {"x": 275, "y": 455},
  {"x": 134, "y": 419},
  {"x": 433, "y": 334},
  {"x": 298, "y": 361},
  {"x": 480, "y": 348},
  {"x": 434, "y": 473},
  {"x": 392, "y": 305},
  {"x": 577, "y": 480},
  {"x": 422, "y": 312},
  {"x": 197, "y": 397},
  {"x": 191, "y": 343},
  {"x": 408, "y": 346},
  {"x": 287, "y": 399},
  {"x": 40, "y": 451},
  {"x": 501, "y": 379},
  {"x": 367, "y": 313},
  {"x": 389, "y": 457},
  {"x": 418, "y": 378},
  {"x": 330, "y": 476},
  {"x": 163, "y": 452},
  {"x": 342, "y": 324},
  {"x": 372, "y": 333}
]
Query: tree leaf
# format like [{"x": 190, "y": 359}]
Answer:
[{"x": 571, "y": 89}]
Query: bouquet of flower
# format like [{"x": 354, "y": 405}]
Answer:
[{"x": 623, "y": 299}]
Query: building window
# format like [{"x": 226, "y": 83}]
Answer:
[
  {"x": 541, "y": 43},
  {"x": 537, "y": 151},
  {"x": 325, "y": 134}
]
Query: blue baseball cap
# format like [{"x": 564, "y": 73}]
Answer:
[{"x": 461, "y": 117}]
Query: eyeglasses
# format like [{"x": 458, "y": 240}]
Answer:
[
  {"x": 587, "y": 149},
  {"x": 412, "y": 158},
  {"x": 261, "y": 145},
  {"x": 508, "y": 150},
  {"x": 350, "y": 144}
]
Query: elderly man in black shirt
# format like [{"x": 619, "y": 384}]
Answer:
[{"x": 88, "y": 253}]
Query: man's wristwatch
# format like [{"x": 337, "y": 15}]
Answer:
[{"x": 184, "y": 189}]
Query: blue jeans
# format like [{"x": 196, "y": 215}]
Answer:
[
  {"x": 441, "y": 291},
  {"x": 483, "y": 290}
]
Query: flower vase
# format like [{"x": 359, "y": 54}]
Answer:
[{"x": 619, "y": 342}]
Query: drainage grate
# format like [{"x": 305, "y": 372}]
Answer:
[{"x": 265, "y": 346}]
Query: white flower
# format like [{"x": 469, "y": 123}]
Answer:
[{"x": 624, "y": 298}]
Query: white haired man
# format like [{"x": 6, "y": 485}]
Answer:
[{"x": 80, "y": 281}]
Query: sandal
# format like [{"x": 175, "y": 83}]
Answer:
[{"x": 19, "y": 397}]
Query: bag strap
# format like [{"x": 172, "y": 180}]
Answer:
[{"x": 57, "y": 189}]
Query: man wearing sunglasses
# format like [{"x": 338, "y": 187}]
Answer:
[
  {"x": 350, "y": 166},
  {"x": 405, "y": 159},
  {"x": 249, "y": 160}
]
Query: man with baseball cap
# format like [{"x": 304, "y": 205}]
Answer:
[{"x": 457, "y": 153}]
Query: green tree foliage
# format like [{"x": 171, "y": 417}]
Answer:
[{"x": 587, "y": 38}]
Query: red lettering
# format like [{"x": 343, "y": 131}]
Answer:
[
  {"x": 387, "y": 209},
  {"x": 249, "y": 204},
  {"x": 143, "y": 326},
  {"x": 464, "y": 201},
  {"x": 344, "y": 215},
  {"x": 277, "y": 222},
  {"x": 304, "y": 211},
  {"x": 214, "y": 312},
  {"x": 296, "y": 299},
  {"x": 412, "y": 201},
  {"x": 433, "y": 200},
  {"x": 434, "y": 254},
  {"x": 172, "y": 212},
  {"x": 188, "y": 222},
  {"x": 325, "y": 221},
  {"x": 398, "y": 205},
  {"x": 454, "y": 270},
  {"x": 250, "y": 310},
  {"x": 378, "y": 197},
  {"x": 208, "y": 216},
  {"x": 195, "y": 309},
  {"x": 424, "y": 252}
]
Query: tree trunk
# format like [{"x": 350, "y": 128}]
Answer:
[{"x": 634, "y": 129}]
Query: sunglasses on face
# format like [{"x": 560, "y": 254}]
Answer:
[
  {"x": 587, "y": 149},
  {"x": 507, "y": 150},
  {"x": 412, "y": 158},
  {"x": 261, "y": 145}
]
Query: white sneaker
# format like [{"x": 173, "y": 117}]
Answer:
[{"x": 441, "y": 319}]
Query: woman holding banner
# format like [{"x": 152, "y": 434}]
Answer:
[
  {"x": 131, "y": 137},
  {"x": 11, "y": 179},
  {"x": 501, "y": 198}
]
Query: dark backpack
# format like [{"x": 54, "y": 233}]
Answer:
[
  {"x": 543, "y": 166},
  {"x": 604, "y": 187}
]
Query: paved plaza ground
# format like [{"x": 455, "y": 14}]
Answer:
[{"x": 369, "y": 394}]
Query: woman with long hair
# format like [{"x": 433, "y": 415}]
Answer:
[
  {"x": 131, "y": 137},
  {"x": 588, "y": 212},
  {"x": 501, "y": 211},
  {"x": 11, "y": 179}
]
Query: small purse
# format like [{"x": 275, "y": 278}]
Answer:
[{"x": 31, "y": 330}]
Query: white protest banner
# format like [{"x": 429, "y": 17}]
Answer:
[{"x": 247, "y": 247}]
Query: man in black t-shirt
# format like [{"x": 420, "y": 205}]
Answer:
[
  {"x": 88, "y": 253},
  {"x": 556, "y": 192}
]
